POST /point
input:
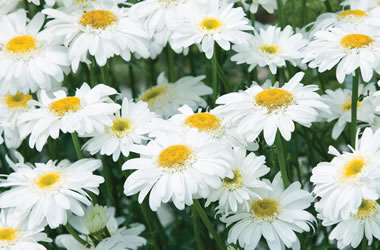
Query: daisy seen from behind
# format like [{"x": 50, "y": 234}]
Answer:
[
  {"x": 178, "y": 168},
  {"x": 48, "y": 192},
  {"x": 268, "y": 109},
  {"x": 348, "y": 178},
  {"x": 271, "y": 47},
  {"x": 128, "y": 130},
  {"x": 30, "y": 59},
  {"x": 88, "y": 111},
  {"x": 208, "y": 23},
  {"x": 277, "y": 216}
]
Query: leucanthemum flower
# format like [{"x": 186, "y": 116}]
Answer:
[
  {"x": 340, "y": 102},
  {"x": 235, "y": 193},
  {"x": 349, "y": 177},
  {"x": 268, "y": 109},
  {"x": 47, "y": 192},
  {"x": 178, "y": 167},
  {"x": 29, "y": 59},
  {"x": 363, "y": 4},
  {"x": 101, "y": 32},
  {"x": 11, "y": 107},
  {"x": 70, "y": 5},
  {"x": 7, "y": 6},
  {"x": 128, "y": 130},
  {"x": 271, "y": 47},
  {"x": 252, "y": 5},
  {"x": 348, "y": 49},
  {"x": 165, "y": 98},
  {"x": 100, "y": 224},
  {"x": 205, "y": 24},
  {"x": 88, "y": 111},
  {"x": 15, "y": 235},
  {"x": 364, "y": 223},
  {"x": 277, "y": 216}
]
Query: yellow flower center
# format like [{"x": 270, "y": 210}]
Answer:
[
  {"x": 175, "y": 156},
  {"x": 274, "y": 99},
  {"x": 347, "y": 105},
  {"x": 17, "y": 101},
  {"x": 265, "y": 208},
  {"x": 210, "y": 24},
  {"x": 21, "y": 44},
  {"x": 366, "y": 209},
  {"x": 47, "y": 180},
  {"x": 234, "y": 183},
  {"x": 352, "y": 13},
  {"x": 8, "y": 234},
  {"x": 203, "y": 121},
  {"x": 65, "y": 105},
  {"x": 270, "y": 49},
  {"x": 152, "y": 94},
  {"x": 353, "y": 167},
  {"x": 356, "y": 41},
  {"x": 98, "y": 19},
  {"x": 120, "y": 126}
]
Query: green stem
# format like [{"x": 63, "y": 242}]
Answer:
[
  {"x": 209, "y": 226},
  {"x": 303, "y": 13},
  {"x": 223, "y": 78},
  {"x": 74, "y": 234},
  {"x": 214, "y": 76},
  {"x": 104, "y": 74},
  {"x": 364, "y": 243},
  {"x": 91, "y": 68},
  {"x": 109, "y": 184},
  {"x": 281, "y": 159},
  {"x": 145, "y": 212},
  {"x": 252, "y": 16},
  {"x": 280, "y": 14},
  {"x": 354, "y": 106},
  {"x": 171, "y": 68},
  {"x": 74, "y": 137},
  {"x": 197, "y": 234},
  {"x": 132, "y": 82},
  {"x": 328, "y": 6},
  {"x": 293, "y": 7}
]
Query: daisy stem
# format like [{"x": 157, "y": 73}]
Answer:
[
  {"x": 104, "y": 74},
  {"x": 91, "y": 68},
  {"x": 171, "y": 68},
  {"x": 354, "y": 106},
  {"x": 252, "y": 16},
  {"x": 196, "y": 228},
  {"x": 75, "y": 234},
  {"x": 109, "y": 184},
  {"x": 132, "y": 82},
  {"x": 364, "y": 243},
  {"x": 214, "y": 77},
  {"x": 74, "y": 137},
  {"x": 281, "y": 159},
  {"x": 280, "y": 14},
  {"x": 328, "y": 6},
  {"x": 209, "y": 226},
  {"x": 149, "y": 223},
  {"x": 303, "y": 13}
]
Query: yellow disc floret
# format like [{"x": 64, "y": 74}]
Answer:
[
  {"x": 203, "y": 122},
  {"x": 120, "y": 126},
  {"x": 234, "y": 183},
  {"x": 265, "y": 208},
  {"x": 21, "y": 44},
  {"x": 152, "y": 94},
  {"x": 347, "y": 105},
  {"x": 210, "y": 24},
  {"x": 356, "y": 41},
  {"x": 353, "y": 167},
  {"x": 65, "y": 105},
  {"x": 8, "y": 234},
  {"x": 270, "y": 49},
  {"x": 366, "y": 209},
  {"x": 352, "y": 14},
  {"x": 98, "y": 19},
  {"x": 274, "y": 99},
  {"x": 46, "y": 181},
  {"x": 17, "y": 101},
  {"x": 175, "y": 156}
]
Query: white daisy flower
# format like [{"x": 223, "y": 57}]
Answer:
[
  {"x": 100, "y": 224},
  {"x": 7, "y": 6},
  {"x": 165, "y": 98},
  {"x": 11, "y": 107},
  {"x": 363, "y": 4},
  {"x": 127, "y": 131},
  {"x": 366, "y": 222},
  {"x": 29, "y": 59},
  {"x": 85, "y": 113},
  {"x": 340, "y": 101},
  {"x": 85, "y": 5},
  {"x": 252, "y": 5},
  {"x": 349, "y": 177},
  {"x": 271, "y": 47},
  {"x": 348, "y": 49},
  {"x": 47, "y": 192},
  {"x": 235, "y": 193},
  {"x": 265, "y": 108},
  {"x": 101, "y": 32},
  {"x": 277, "y": 216},
  {"x": 214, "y": 21},
  {"x": 178, "y": 167},
  {"x": 15, "y": 235}
]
